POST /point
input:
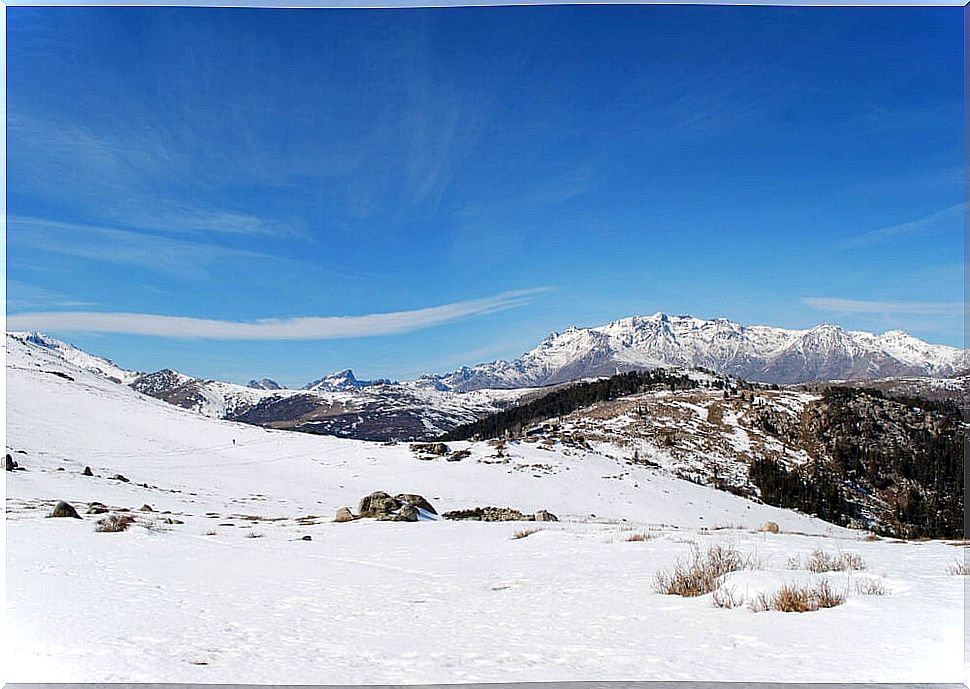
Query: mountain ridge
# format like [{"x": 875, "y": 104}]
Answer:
[
  {"x": 759, "y": 353},
  {"x": 432, "y": 404}
]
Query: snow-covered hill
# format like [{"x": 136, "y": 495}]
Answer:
[
  {"x": 759, "y": 353},
  {"x": 73, "y": 355},
  {"x": 373, "y": 410},
  {"x": 219, "y": 584}
]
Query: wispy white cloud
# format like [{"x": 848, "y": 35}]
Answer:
[
  {"x": 21, "y": 295},
  {"x": 185, "y": 256},
  {"x": 120, "y": 173},
  {"x": 304, "y": 328},
  {"x": 859, "y": 306},
  {"x": 929, "y": 222},
  {"x": 186, "y": 219}
]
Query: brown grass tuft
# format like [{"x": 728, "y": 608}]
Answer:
[
  {"x": 795, "y": 598},
  {"x": 640, "y": 536},
  {"x": 700, "y": 574},
  {"x": 524, "y": 532},
  {"x": 116, "y": 523}
]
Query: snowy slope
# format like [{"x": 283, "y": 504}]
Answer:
[
  {"x": 374, "y": 602},
  {"x": 75, "y": 356}
]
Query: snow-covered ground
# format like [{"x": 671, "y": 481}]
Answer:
[{"x": 233, "y": 593}]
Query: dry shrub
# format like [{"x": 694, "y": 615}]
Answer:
[
  {"x": 760, "y": 603},
  {"x": 726, "y": 598},
  {"x": 114, "y": 524},
  {"x": 154, "y": 525},
  {"x": 867, "y": 586},
  {"x": 820, "y": 561},
  {"x": 826, "y": 597},
  {"x": 959, "y": 569},
  {"x": 872, "y": 537},
  {"x": 795, "y": 598},
  {"x": 524, "y": 532},
  {"x": 640, "y": 536},
  {"x": 700, "y": 574},
  {"x": 792, "y": 598},
  {"x": 253, "y": 534}
]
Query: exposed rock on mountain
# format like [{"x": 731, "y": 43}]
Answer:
[
  {"x": 343, "y": 380},
  {"x": 264, "y": 384}
]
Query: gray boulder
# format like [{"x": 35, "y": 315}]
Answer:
[
  {"x": 376, "y": 504},
  {"x": 407, "y": 513},
  {"x": 430, "y": 448},
  {"x": 546, "y": 516},
  {"x": 416, "y": 501},
  {"x": 404, "y": 507},
  {"x": 63, "y": 509}
]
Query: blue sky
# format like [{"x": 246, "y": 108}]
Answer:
[{"x": 481, "y": 176}]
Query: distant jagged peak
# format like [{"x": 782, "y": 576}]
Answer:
[
  {"x": 264, "y": 384},
  {"x": 344, "y": 380}
]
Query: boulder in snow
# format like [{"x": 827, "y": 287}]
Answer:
[
  {"x": 344, "y": 515},
  {"x": 405, "y": 507},
  {"x": 416, "y": 501},
  {"x": 376, "y": 504},
  {"x": 63, "y": 509},
  {"x": 431, "y": 448}
]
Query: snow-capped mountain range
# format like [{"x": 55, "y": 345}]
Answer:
[
  {"x": 341, "y": 404},
  {"x": 757, "y": 353}
]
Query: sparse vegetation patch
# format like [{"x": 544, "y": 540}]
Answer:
[
  {"x": 959, "y": 569},
  {"x": 522, "y": 533},
  {"x": 700, "y": 574},
  {"x": 820, "y": 561},
  {"x": 640, "y": 536},
  {"x": 114, "y": 524},
  {"x": 795, "y": 598}
]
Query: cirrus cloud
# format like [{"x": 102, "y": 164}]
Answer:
[{"x": 303, "y": 328}]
